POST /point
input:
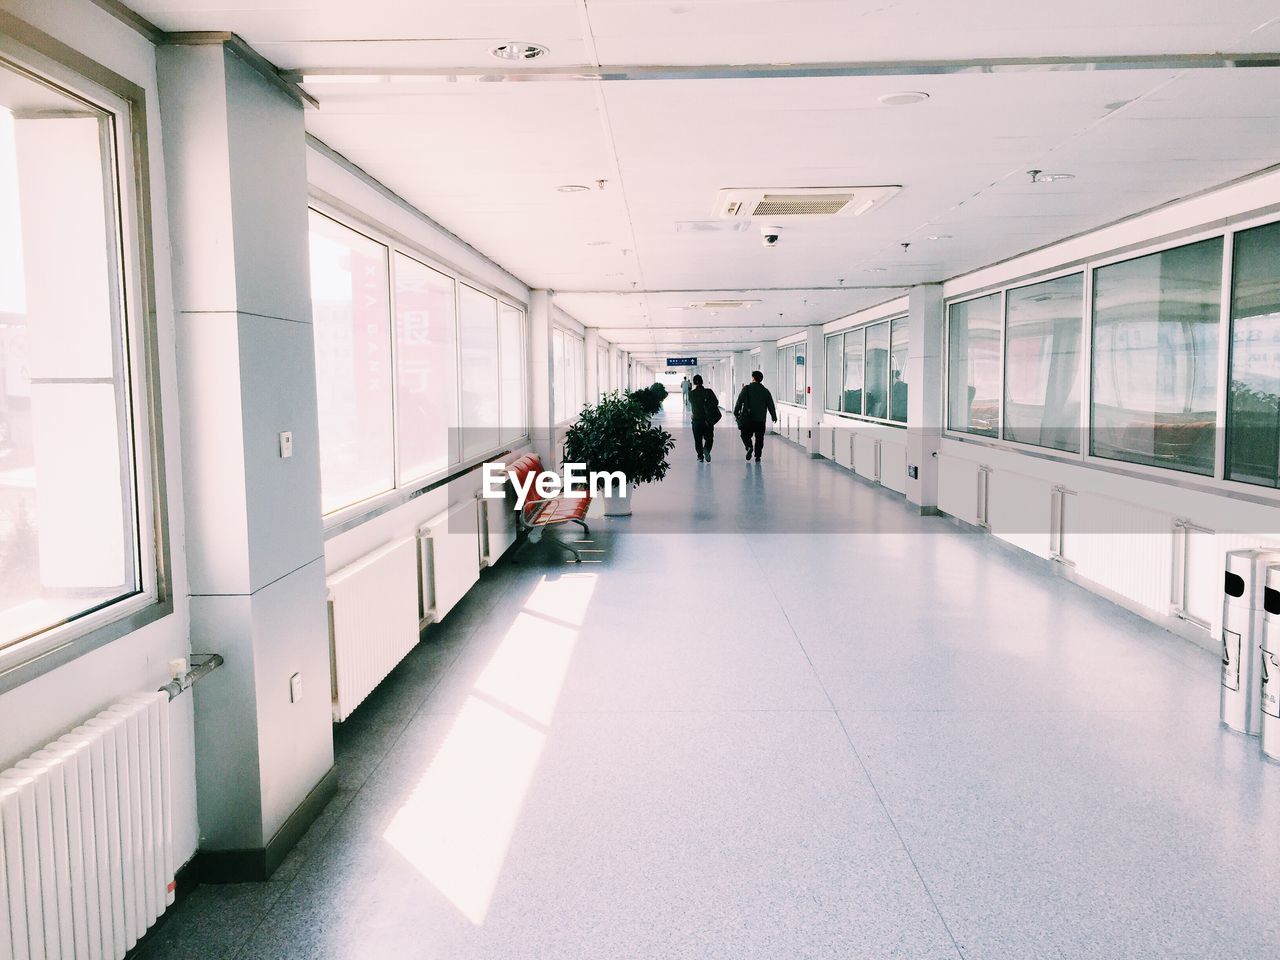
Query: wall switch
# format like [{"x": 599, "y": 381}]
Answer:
[
  {"x": 295, "y": 688},
  {"x": 913, "y": 472},
  {"x": 286, "y": 445}
]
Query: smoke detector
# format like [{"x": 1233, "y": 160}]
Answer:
[{"x": 796, "y": 202}]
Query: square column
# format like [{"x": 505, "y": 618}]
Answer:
[
  {"x": 814, "y": 400},
  {"x": 542, "y": 402},
  {"x": 235, "y": 166},
  {"x": 925, "y": 320},
  {"x": 591, "y": 350}
]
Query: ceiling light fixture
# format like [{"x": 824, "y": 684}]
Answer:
[
  {"x": 903, "y": 99},
  {"x": 874, "y": 270},
  {"x": 1039, "y": 176},
  {"x": 518, "y": 50},
  {"x": 573, "y": 188},
  {"x": 939, "y": 236},
  {"x": 598, "y": 243}
]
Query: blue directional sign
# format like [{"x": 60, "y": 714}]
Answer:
[{"x": 682, "y": 361}]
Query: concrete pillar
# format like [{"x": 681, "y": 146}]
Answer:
[
  {"x": 591, "y": 347},
  {"x": 924, "y": 379},
  {"x": 815, "y": 361},
  {"x": 235, "y": 165},
  {"x": 767, "y": 363},
  {"x": 541, "y": 409}
]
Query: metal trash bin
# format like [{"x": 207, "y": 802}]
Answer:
[
  {"x": 1269, "y": 698},
  {"x": 1242, "y": 613}
]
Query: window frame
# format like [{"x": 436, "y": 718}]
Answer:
[
  {"x": 861, "y": 329},
  {"x": 127, "y": 174},
  {"x": 1217, "y": 483},
  {"x": 353, "y": 515}
]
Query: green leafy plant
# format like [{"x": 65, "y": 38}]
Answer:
[
  {"x": 616, "y": 434},
  {"x": 649, "y": 398}
]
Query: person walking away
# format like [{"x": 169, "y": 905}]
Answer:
[
  {"x": 754, "y": 403},
  {"x": 704, "y": 413},
  {"x": 684, "y": 391}
]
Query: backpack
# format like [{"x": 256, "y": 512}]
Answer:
[{"x": 713, "y": 411}]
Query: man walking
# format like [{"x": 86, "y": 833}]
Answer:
[
  {"x": 754, "y": 402},
  {"x": 704, "y": 412},
  {"x": 685, "y": 386}
]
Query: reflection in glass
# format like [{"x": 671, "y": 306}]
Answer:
[
  {"x": 1155, "y": 358},
  {"x": 973, "y": 366},
  {"x": 478, "y": 338},
  {"x": 852, "y": 397},
  {"x": 898, "y": 370},
  {"x": 424, "y": 367},
  {"x": 351, "y": 313},
  {"x": 1042, "y": 363},
  {"x": 1253, "y": 401},
  {"x": 877, "y": 377}
]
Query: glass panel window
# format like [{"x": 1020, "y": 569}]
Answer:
[
  {"x": 973, "y": 366},
  {"x": 425, "y": 357},
  {"x": 901, "y": 333},
  {"x": 511, "y": 330},
  {"x": 1253, "y": 400},
  {"x": 877, "y": 377},
  {"x": 835, "y": 371},
  {"x": 1043, "y": 326},
  {"x": 851, "y": 397},
  {"x": 69, "y": 527},
  {"x": 1155, "y": 357},
  {"x": 478, "y": 338},
  {"x": 351, "y": 311}
]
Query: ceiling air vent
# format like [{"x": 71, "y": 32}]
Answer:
[{"x": 801, "y": 201}]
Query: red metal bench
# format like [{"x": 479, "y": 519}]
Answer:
[{"x": 541, "y": 513}]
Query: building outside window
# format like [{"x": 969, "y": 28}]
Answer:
[
  {"x": 1253, "y": 395},
  {"x": 1043, "y": 324},
  {"x": 425, "y": 362},
  {"x": 973, "y": 366}
]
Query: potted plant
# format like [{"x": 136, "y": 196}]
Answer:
[
  {"x": 650, "y": 398},
  {"x": 616, "y": 435}
]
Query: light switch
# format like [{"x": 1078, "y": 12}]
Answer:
[
  {"x": 286, "y": 445},
  {"x": 295, "y": 688}
]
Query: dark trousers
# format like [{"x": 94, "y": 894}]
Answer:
[
  {"x": 753, "y": 432},
  {"x": 704, "y": 435}
]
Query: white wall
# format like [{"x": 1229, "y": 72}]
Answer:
[{"x": 46, "y": 707}]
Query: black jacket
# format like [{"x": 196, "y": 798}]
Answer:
[
  {"x": 754, "y": 402},
  {"x": 702, "y": 400}
]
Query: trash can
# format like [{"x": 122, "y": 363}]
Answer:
[
  {"x": 1242, "y": 613},
  {"x": 1270, "y": 679}
]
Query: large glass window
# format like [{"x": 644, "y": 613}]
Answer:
[
  {"x": 478, "y": 370},
  {"x": 69, "y": 518},
  {"x": 425, "y": 367},
  {"x": 851, "y": 401},
  {"x": 1155, "y": 357},
  {"x": 898, "y": 370},
  {"x": 973, "y": 365},
  {"x": 351, "y": 311},
  {"x": 835, "y": 371},
  {"x": 1253, "y": 398},
  {"x": 511, "y": 332},
  {"x": 877, "y": 376},
  {"x": 1043, "y": 324}
]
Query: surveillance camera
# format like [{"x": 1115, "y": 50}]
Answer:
[{"x": 770, "y": 236}]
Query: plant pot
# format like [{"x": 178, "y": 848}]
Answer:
[{"x": 618, "y": 505}]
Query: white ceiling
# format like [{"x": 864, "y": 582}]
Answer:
[{"x": 484, "y": 159}]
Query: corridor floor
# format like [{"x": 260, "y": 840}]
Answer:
[{"x": 779, "y": 717}]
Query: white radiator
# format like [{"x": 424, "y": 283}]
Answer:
[
  {"x": 86, "y": 837},
  {"x": 373, "y": 621},
  {"x": 499, "y": 528},
  {"x": 450, "y": 547}
]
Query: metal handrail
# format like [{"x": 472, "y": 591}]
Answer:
[{"x": 185, "y": 680}]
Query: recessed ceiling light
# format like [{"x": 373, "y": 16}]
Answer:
[
  {"x": 518, "y": 50},
  {"x": 903, "y": 99},
  {"x": 939, "y": 236},
  {"x": 573, "y": 188},
  {"x": 598, "y": 243},
  {"x": 874, "y": 270}
]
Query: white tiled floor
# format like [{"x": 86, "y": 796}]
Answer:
[{"x": 783, "y": 718}]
